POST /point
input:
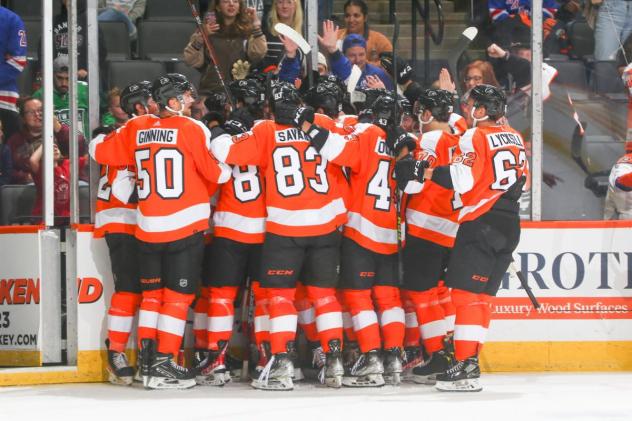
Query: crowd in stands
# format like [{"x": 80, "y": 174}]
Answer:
[{"x": 244, "y": 39}]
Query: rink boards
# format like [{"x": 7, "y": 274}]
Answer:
[{"x": 581, "y": 273}]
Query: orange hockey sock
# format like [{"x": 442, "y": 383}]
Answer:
[
  {"x": 390, "y": 314},
  {"x": 200, "y": 321},
  {"x": 221, "y": 314},
  {"x": 328, "y": 314},
  {"x": 364, "y": 319},
  {"x": 148, "y": 314},
  {"x": 283, "y": 318},
  {"x": 123, "y": 306},
  {"x": 172, "y": 320}
]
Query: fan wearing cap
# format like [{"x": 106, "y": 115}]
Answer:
[
  {"x": 354, "y": 51},
  {"x": 61, "y": 99}
]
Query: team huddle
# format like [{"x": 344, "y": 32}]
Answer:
[{"x": 384, "y": 247}]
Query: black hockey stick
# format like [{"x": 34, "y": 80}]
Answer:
[
  {"x": 211, "y": 52},
  {"x": 462, "y": 44},
  {"x": 524, "y": 284},
  {"x": 245, "y": 327}
]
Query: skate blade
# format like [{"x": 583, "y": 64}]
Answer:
[
  {"x": 467, "y": 385},
  {"x": 166, "y": 383},
  {"x": 335, "y": 382},
  {"x": 393, "y": 379},
  {"x": 372, "y": 380},
  {"x": 119, "y": 381},
  {"x": 273, "y": 384},
  {"x": 215, "y": 379},
  {"x": 429, "y": 380}
]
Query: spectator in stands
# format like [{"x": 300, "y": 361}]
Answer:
[
  {"x": 235, "y": 34},
  {"x": 476, "y": 73},
  {"x": 115, "y": 116},
  {"x": 353, "y": 52},
  {"x": 13, "y": 60},
  {"x": 506, "y": 15},
  {"x": 6, "y": 162},
  {"x": 61, "y": 99},
  {"x": 289, "y": 12},
  {"x": 24, "y": 142},
  {"x": 126, "y": 11},
  {"x": 612, "y": 28},
  {"x": 60, "y": 38},
  {"x": 356, "y": 22}
]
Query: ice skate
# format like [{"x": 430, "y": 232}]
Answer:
[
  {"x": 413, "y": 357},
  {"x": 277, "y": 374},
  {"x": 393, "y": 366},
  {"x": 119, "y": 371},
  {"x": 350, "y": 354},
  {"x": 438, "y": 363},
  {"x": 145, "y": 356},
  {"x": 366, "y": 372},
  {"x": 165, "y": 373},
  {"x": 293, "y": 353},
  {"x": 333, "y": 370},
  {"x": 262, "y": 360},
  {"x": 213, "y": 371},
  {"x": 199, "y": 358},
  {"x": 461, "y": 377}
]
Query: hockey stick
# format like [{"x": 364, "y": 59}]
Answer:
[
  {"x": 524, "y": 284},
  {"x": 462, "y": 44},
  {"x": 245, "y": 312},
  {"x": 211, "y": 52}
]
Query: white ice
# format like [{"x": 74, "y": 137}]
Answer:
[{"x": 507, "y": 397}]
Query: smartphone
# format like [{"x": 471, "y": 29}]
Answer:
[{"x": 209, "y": 18}]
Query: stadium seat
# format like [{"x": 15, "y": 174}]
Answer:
[
  {"x": 168, "y": 10},
  {"x": 605, "y": 78},
  {"x": 31, "y": 9},
  {"x": 581, "y": 37},
  {"x": 191, "y": 73},
  {"x": 16, "y": 203},
  {"x": 117, "y": 40},
  {"x": 33, "y": 29},
  {"x": 122, "y": 73},
  {"x": 156, "y": 43},
  {"x": 570, "y": 73}
]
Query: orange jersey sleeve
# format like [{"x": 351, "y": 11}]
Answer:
[{"x": 112, "y": 214}]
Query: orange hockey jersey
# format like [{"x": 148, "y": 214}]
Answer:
[
  {"x": 113, "y": 212},
  {"x": 302, "y": 196},
  {"x": 174, "y": 170},
  {"x": 372, "y": 217},
  {"x": 490, "y": 160},
  {"x": 457, "y": 124},
  {"x": 432, "y": 210}
]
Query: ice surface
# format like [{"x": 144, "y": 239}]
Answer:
[{"x": 508, "y": 397}]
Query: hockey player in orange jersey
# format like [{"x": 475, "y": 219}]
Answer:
[
  {"x": 174, "y": 170},
  {"x": 431, "y": 225},
  {"x": 115, "y": 219},
  {"x": 489, "y": 173},
  {"x": 369, "y": 270},
  {"x": 304, "y": 211}
]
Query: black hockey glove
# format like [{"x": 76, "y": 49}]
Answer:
[
  {"x": 318, "y": 136},
  {"x": 234, "y": 127},
  {"x": 303, "y": 114},
  {"x": 213, "y": 117},
  {"x": 244, "y": 116},
  {"x": 408, "y": 169},
  {"x": 405, "y": 72},
  {"x": 397, "y": 139}
]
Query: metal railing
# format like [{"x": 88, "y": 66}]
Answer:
[{"x": 429, "y": 31}]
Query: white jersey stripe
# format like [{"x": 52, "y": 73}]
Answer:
[
  {"x": 306, "y": 217},
  {"x": 120, "y": 323},
  {"x": 392, "y": 315},
  {"x": 370, "y": 230},
  {"x": 200, "y": 321},
  {"x": 220, "y": 323},
  {"x": 148, "y": 319},
  {"x": 307, "y": 317},
  {"x": 172, "y": 325},
  {"x": 283, "y": 324},
  {"x": 328, "y": 321},
  {"x": 176, "y": 220},
  {"x": 239, "y": 223},
  {"x": 411, "y": 320},
  {"x": 431, "y": 222},
  {"x": 115, "y": 216},
  {"x": 364, "y": 319},
  {"x": 262, "y": 323},
  {"x": 433, "y": 329}
]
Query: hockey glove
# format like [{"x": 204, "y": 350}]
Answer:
[
  {"x": 240, "y": 69},
  {"x": 303, "y": 114},
  {"x": 397, "y": 139},
  {"x": 408, "y": 169},
  {"x": 243, "y": 116},
  {"x": 318, "y": 136},
  {"x": 405, "y": 72},
  {"x": 212, "y": 119},
  {"x": 234, "y": 127}
]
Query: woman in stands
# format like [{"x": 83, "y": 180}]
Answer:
[
  {"x": 235, "y": 33},
  {"x": 289, "y": 12},
  {"x": 356, "y": 22},
  {"x": 476, "y": 73}
]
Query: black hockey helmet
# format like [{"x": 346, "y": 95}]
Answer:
[
  {"x": 282, "y": 92},
  {"x": 171, "y": 85},
  {"x": 215, "y": 101},
  {"x": 438, "y": 101},
  {"x": 404, "y": 103},
  {"x": 248, "y": 91},
  {"x": 326, "y": 95},
  {"x": 490, "y": 97},
  {"x": 387, "y": 111},
  {"x": 136, "y": 93}
]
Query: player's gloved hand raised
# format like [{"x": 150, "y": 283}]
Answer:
[
  {"x": 397, "y": 139},
  {"x": 408, "y": 169},
  {"x": 405, "y": 72},
  {"x": 303, "y": 114}
]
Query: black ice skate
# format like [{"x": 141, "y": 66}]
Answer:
[
  {"x": 213, "y": 371},
  {"x": 277, "y": 374},
  {"x": 438, "y": 363},
  {"x": 145, "y": 356},
  {"x": 199, "y": 358},
  {"x": 413, "y": 357},
  {"x": 461, "y": 377},
  {"x": 366, "y": 372},
  {"x": 165, "y": 373},
  {"x": 262, "y": 360},
  {"x": 393, "y": 366},
  {"x": 119, "y": 370},
  {"x": 333, "y": 370}
]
